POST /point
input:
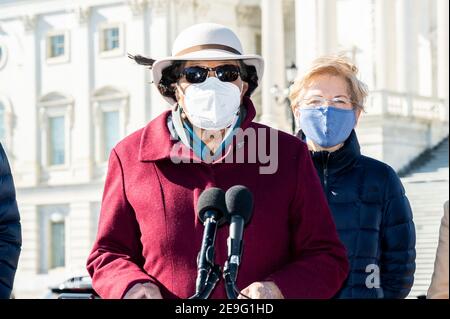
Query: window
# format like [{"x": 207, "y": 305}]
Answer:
[
  {"x": 95, "y": 216},
  {"x": 3, "y": 55},
  {"x": 53, "y": 237},
  {"x": 57, "y": 47},
  {"x": 111, "y": 131},
  {"x": 58, "y": 247},
  {"x": 258, "y": 44},
  {"x": 57, "y": 137},
  {"x": 111, "y": 40},
  {"x": 55, "y": 122},
  {"x": 110, "y": 107}
]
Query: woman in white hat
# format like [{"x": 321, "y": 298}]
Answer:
[
  {"x": 206, "y": 65},
  {"x": 149, "y": 234}
]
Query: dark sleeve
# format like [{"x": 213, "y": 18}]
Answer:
[
  {"x": 10, "y": 231},
  {"x": 319, "y": 264},
  {"x": 398, "y": 253},
  {"x": 116, "y": 258}
]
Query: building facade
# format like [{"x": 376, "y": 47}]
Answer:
[{"x": 68, "y": 93}]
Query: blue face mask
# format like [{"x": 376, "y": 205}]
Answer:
[{"x": 327, "y": 126}]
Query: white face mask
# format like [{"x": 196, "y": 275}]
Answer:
[{"x": 213, "y": 104}]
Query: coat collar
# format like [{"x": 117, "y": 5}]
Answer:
[
  {"x": 339, "y": 160},
  {"x": 158, "y": 144}
]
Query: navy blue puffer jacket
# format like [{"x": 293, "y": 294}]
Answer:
[
  {"x": 10, "y": 232},
  {"x": 374, "y": 221}
]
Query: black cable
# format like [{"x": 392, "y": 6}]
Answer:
[{"x": 240, "y": 293}]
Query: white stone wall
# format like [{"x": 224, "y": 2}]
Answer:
[
  {"x": 82, "y": 205},
  {"x": 28, "y": 79}
]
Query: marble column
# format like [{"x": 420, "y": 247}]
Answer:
[
  {"x": 140, "y": 104},
  {"x": 159, "y": 46},
  {"x": 83, "y": 163},
  {"x": 29, "y": 155},
  {"x": 384, "y": 44},
  {"x": 315, "y": 29},
  {"x": 306, "y": 33},
  {"x": 327, "y": 40},
  {"x": 407, "y": 49},
  {"x": 273, "y": 111},
  {"x": 443, "y": 53}
]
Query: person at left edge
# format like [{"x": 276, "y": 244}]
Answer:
[
  {"x": 149, "y": 234},
  {"x": 10, "y": 229}
]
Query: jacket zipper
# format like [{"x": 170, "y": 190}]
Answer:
[{"x": 325, "y": 174}]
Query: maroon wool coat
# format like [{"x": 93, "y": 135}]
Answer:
[{"x": 149, "y": 231}]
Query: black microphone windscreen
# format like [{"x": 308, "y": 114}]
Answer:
[
  {"x": 239, "y": 201},
  {"x": 211, "y": 199}
]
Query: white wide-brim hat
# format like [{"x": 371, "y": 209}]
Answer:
[{"x": 206, "y": 42}]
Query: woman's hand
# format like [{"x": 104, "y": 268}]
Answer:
[
  {"x": 143, "y": 291},
  {"x": 262, "y": 290}
]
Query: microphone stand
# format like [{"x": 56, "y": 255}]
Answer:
[
  {"x": 239, "y": 201},
  {"x": 213, "y": 278},
  {"x": 229, "y": 274},
  {"x": 208, "y": 273},
  {"x": 211, "y": 209}
]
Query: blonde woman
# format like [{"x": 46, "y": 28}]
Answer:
[{"x": 371, "y": 212}]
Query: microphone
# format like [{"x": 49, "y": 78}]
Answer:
[
  {"x": 211, "y": 210},
  {"x": 239, "y": 202}
]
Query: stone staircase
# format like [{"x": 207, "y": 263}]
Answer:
[{"x": 427, "y": 185}]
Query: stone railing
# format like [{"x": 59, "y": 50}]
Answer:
[{"x": 406, "y": 105}]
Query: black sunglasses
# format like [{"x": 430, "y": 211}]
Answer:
[{"x": 199, "y": 74}]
